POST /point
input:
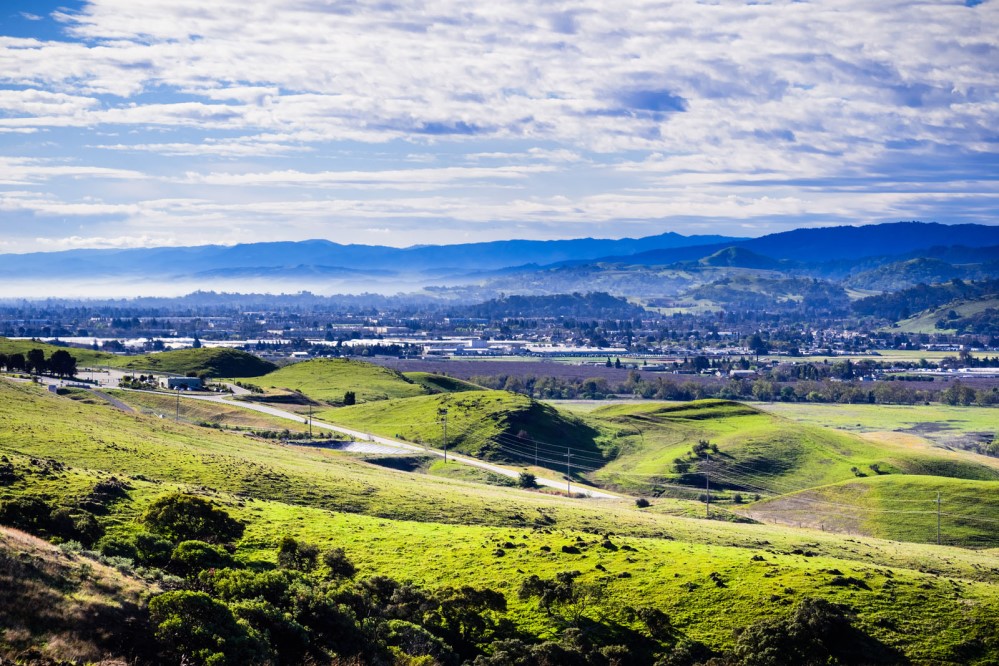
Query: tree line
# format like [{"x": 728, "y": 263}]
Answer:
[{"x": 61, "y": 363}]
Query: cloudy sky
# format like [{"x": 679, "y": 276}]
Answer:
[{"x": 183, "y": 122}]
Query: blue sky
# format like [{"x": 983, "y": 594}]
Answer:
[{"x": 184, "y": 122}]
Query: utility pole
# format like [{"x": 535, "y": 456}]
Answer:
[
  {"x": 707, "y": 491},
  {"x": 938, "y": 518},
  {"x": 568, "y": 472},
  {"x": 442, "y": 413}
]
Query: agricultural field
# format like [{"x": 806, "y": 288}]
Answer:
[{"x": 429, "y": 523}]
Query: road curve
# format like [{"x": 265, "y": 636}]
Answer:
[{"x": 402, "y": 446}]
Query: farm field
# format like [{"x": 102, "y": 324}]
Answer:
[{"x": 935, "y": 423}]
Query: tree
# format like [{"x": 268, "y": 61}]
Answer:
[
  {"x": 62, "y": 363},
  {"x": 294, "y": 554},
  {"x": 349, "y": 398},
  {"x": 36, "y": 361},
  {"x": 527, "y": 480},
  {"x": 182, "y": 517}
]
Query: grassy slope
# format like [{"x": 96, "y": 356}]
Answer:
[
  {"x": 925, "y": 322},
  {"x": 757, "y": 448},
  {"x": 61, "y": 605},
  {"x": 923, "y": 613},
  {"x": 214, "y": 361},
  {"x": 198, "y": 411},
  {"x": 902, "y": 508},
  {"x": 84, "y": 357},
  {"x": 484, "y": 423},
  {"x": 328, "y": 379},
  {"x": 435, "y": 383}
]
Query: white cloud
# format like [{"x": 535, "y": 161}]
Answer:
[{"x": 571, "y": 112}]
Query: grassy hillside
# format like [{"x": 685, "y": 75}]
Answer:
[
  {"x": 489, "y": 424},
  {"x": 434, "y": 383},
  {"x": 902, "y": 508},
  {"x": 84, "y": 357},
  {"x": 204, "y": 412},
  {"x": 926, "y": 322},
  {"x": 328, "y": 380},
  {"x": 213, "y": 361},
  {"x": 757, "y": 452},
  {"x": 63, "y": 607},
  {"x": 710, "y": 578}
]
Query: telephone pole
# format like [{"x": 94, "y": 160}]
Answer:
[
  {"x": 938, "y": 518},
  {"x": 707, "y": 490},
  {"x": 442, "y": 413},
  {"x": 568, "y": 472}
]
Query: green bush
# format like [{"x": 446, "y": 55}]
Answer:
[
  {"x": 152, "y": 550},
  {"x": 338, "y": 563},
  {"x": 191, "y": 557},
  {"x": 293, "y": 554},
  {"x": 182, "y": 517},
  {"x": 192, "y": 628}
]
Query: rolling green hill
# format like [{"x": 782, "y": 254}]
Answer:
[
  {"x": 435, "y": 383},
  {"x": 328, "y": 380},
  {"x": 490, "y": 424},
  {"x": 211, "y": 361},
  {"x": 709, "y": 578},
  {"x": 757, "y": 451},
  {"x": 901, "y": 508}
]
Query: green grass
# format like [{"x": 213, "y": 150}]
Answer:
[
  {"x": 213, "y": 361},
  {"x": 434, "y": 383},
  {"x": 327, "y": 380},
  {"x": 758, "y": 451},
  {"x": 901, "y": 508},
  {"x": 435, "y": 531},
  {"x": 203, "y": 411},
  {"x": 925, "y": 322},
  {"x": 84, "y": 357},
  {"x": 943, "y": 425},
  {"x": 489, "y": 424}
]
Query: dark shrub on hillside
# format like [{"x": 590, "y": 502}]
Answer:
[
  {"x": 527, "y": 480},
  {"x": 152, "y": 550},
  {"x": 815, "y": 634},
  {"x": 293, "y": 554},
  {"x": 31, "y": 514},
  {"x": 641, "y": 503},
  {"x": 182, "y": 517},
  {"x": 286, "y": 637},
  {"x": 193, "y": 628},
  {"x": 338, "y": 563},
  {"x": 191, "y": 557},
  {"x": 69, "y": 524}
]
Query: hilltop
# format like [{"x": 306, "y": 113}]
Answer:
[
  {"x": 329, "y": 379},
  {"x": 210, "y": 361}
]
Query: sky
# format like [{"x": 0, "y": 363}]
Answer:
[{"x": 400, "y": 122}]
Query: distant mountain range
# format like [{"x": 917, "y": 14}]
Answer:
[{"x": 875, "y": 257}]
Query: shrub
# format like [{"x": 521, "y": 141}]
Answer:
[
  {"x": 182, "y": 517},
  {"x": 293, "y": 554},
  {"x": 190, "y": 557},
  {"x": 28, "y": 513},
  {"x": 338, "y": 563},
  {"x": 642, "y": 503},
  {"x": 527, "y": 480},
  {"x": 152, "y": 550},
  {"x": 193, "y": 628}
]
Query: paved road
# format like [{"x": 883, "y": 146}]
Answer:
[{"x": 403, "y": 447}]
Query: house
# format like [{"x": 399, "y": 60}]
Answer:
[{"x": 189, "y": 383}]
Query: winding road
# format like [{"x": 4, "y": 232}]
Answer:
[{"x": 402, "y": 447}]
